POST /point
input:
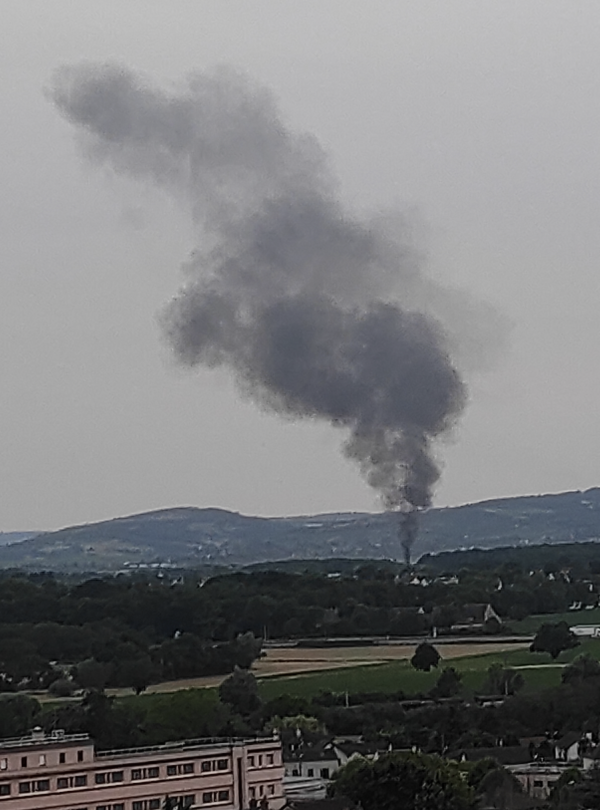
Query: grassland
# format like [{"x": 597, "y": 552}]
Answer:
[
  {"x": 538, "y": 672},
  {"x": 531, "y": 624}
]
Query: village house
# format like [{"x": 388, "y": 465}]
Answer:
[{"x": 475, "y": 617}]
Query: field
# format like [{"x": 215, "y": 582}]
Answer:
[
  {"x": 386, "y": 668},
  {"x": 538, "y": 672},
  {"x": 286, "y": 662},
  {"x": 531, "y": 624}
]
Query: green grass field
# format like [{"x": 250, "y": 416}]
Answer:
[
  {"x": 531, "y": 624},
  {"x": 399, "y": 675}
]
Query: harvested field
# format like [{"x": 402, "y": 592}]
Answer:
[
  {"x": 290, "y": 660},
  {"x": 298, "y": 660}
]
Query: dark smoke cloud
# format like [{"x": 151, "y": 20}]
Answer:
[{"x": 316, "y": 312}]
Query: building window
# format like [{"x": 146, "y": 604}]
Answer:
[
  {"x": 270, "y": 759},
  {"x": 144, "y": 773},
  {"x": 23, "y": 762},
  {"x": 62, "y": 757},
  {"x": 5, "y": 789},
  {"x": 270, "y": 789},
  {"x": 3, "y": 764},
  {"x": 80, "y": 756},
  {"x": 311, "y": 771},
  {"x": 186, "y": 767},
  {"x": 42, "y": 759},
  {"x": 34, "y": 787},
  {"x": 110, "y": 776},
  {"x": 211, "y": 765},
  {"x": 252, "y": 792},
  {"x": 215, "y": 796},
  {"x": 325, "y": 773},
  {"x": 260, "y": 760},
  {"x": 64, "y": 782},
  {"x": 251, "y": 761},
  {"x": 118, "y": 806},
  {"x": 146, "y": 804}
]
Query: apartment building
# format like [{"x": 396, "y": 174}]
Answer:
[{"x": 60, "y": 771}]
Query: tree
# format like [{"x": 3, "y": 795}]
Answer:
[
  {"x": 498, "y": 788},
  {"x": 425, "y": 657},
  {"x": 448, "y": 684},
  {"x": 398, "y": 780},
  {"x": 582, "y": 668},
  {"x": 137, "y": 672},
  {"x": 240, "y": 691},
  {"x": 553, "y": 639},
  {"x": 492, "y": 626},
  {"x": 92, "y": 674},
  {"x": 299, "y": 722},
  {"x": 503, "y": 680},
  {"x": 574, "y": 790},
  {"x": 247, "y": 649},
  {"x": 18, "y": 715},
  {"x": 61, "y": 688}
]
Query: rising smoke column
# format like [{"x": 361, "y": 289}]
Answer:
[{"x": 316, "y": 313}]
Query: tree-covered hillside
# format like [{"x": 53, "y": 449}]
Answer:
[{"x": 191, "y": 537}]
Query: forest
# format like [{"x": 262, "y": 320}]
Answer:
[{"x": 132, "y": 631}]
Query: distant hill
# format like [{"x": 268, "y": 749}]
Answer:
[
  {"x": 6, "y": 538},
  {"x": 188, "y": 536}
]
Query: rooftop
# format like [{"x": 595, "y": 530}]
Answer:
[
  {"x": 39, "y": 737},
  {"x": 185, "y": 745}
]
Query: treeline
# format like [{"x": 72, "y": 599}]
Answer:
[
  {"x": 582, "y": 557},
  {"x": 108, "y": 633},
  {"x": 132, "y": 632}
]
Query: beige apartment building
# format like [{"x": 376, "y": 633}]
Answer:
[{"x": 58, "y": 771}]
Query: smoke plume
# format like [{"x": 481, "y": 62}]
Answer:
[{"x": 316, "y": 312}]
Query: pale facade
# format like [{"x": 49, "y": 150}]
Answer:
[{"x": 64, "y": 772}]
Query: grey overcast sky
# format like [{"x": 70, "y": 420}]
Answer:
[{"x": 482, "y": 119}]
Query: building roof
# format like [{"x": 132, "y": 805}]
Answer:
[
  {"x": 474, "y": 613},
  {"x": 306, "y": 752},
  {"x": 349, "y": 747},
  {"x": 39, "y": 738},
  {"x": 504, "y": 754},
  {"x": 569, "y": 739}
]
